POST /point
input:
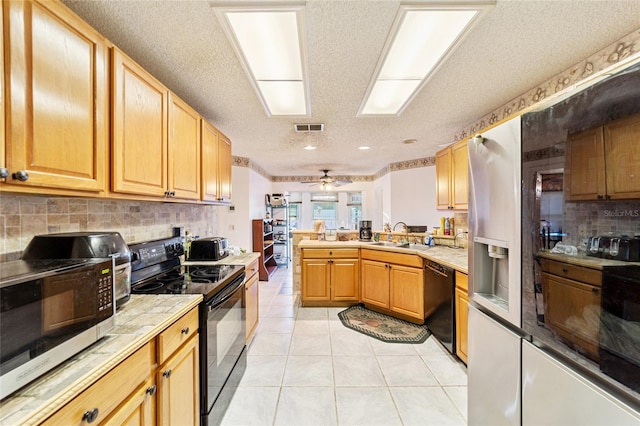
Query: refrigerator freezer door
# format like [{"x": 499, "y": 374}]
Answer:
[
  {"x": 493, "y": 372},
  {"x": 494, "y": 220},
  {"x": 553, "y": 394}
]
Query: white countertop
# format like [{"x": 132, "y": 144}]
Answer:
[
  {"x": 452, "y": 257},
  {"x": 137, "y": 322}
]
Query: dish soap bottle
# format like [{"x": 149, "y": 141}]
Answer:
[{"x": 447, "y": 227}]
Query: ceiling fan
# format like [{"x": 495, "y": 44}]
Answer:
[{"x": 329, "y": 181}]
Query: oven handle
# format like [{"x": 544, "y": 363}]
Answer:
[{"x": 225, "y": 293}]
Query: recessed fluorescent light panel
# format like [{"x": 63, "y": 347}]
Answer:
[
  {"x": 270, "y": 42},
  {"x": 421, "y": 37}
]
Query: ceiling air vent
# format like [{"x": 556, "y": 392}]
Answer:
[{"x": 309, "y": 127}]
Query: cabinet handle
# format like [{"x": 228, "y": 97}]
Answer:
[
  {"x": 608, "y": 197},
  {"x": 330, "y": 253},
  {"x": 90, "y": 416},
  {"x": 21, "y": 175},
  {"x": 600, "y": 197},
  {"x": 185, "y": 330},
  {"x": 565, "y": 270},
  {"x": 4, "y": 172},
  {"x": 172, "y": 193},
  {"x": 595, "y": 290},
  {"x": 166, "y": 374},
  {"x": 151, "y": 390}
]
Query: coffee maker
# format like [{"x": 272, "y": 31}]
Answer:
[{"x": 365, "y": 230}]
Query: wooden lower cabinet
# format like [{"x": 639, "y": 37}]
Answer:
[
  {"x": 462, "y": 315},
  {"x": 135, "y": 392},
  {"x": 330, "y": 277},
  {"x": 179, "y": 387},
  {"x": 252, "y": 299},
  {"x": 394, "y": 282},
  {"x": 111, "y": 394},
  {"x": 572, "y": 304},
  {"x": 138, "y": 410}
]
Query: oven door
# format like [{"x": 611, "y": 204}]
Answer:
[
  {"x": 620, "y": 326},
  {"x": 222, "y": 343}
]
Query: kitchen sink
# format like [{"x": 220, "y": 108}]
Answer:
[
  {"x": 418, "y": 247},
  {"x": 390, "y": 244}
]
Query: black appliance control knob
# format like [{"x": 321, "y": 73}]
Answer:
[{"x": 21, "y": 175}]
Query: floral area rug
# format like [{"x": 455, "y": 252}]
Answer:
[{"x": 383, "y": 327}]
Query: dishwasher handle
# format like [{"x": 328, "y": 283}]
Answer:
[{"x": 439, "y": 271}]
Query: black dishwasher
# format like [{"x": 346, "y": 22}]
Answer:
[{"x": 439, "y": 300}]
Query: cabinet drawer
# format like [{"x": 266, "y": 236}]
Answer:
[
  {"x": 252, "y": 269},
  {"x": 462, "y": 281},
  {"x": 109, "y": 392},
  {"x": 573, "y": 272},
  {"x": 391, "y": 257},
  {"x": 330, "y": 253},
  {"x": 177, "y": 334}
]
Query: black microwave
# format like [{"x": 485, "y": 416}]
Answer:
[{"x": 49, "y": 311}]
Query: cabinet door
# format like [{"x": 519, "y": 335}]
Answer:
[
  {"x": 460, "y": 176},
  {"x": 584, "y": 166},
  {"x": 443, "y": 183},
  {"x": 572, "y": 310},
  {"x": 345, "y": 280},
  {"x": 622, "y": 153},
  {"x": 138, "y": 410},
  {"x": 316, "y": 277},
  {"x": 179, "y": 387},
  {"x": 407, "y": 291},
  {"x": 57, "y": 98},
  {"x": 184, "y": 150},
  {"x": 462, "y": 320},
  {"x": 224, "y": 168},
  {"x": 251, "y": 304},
  {"x": 139, "y": 129},
  {"x": 375, "y": 283},
  {"x": 210, "y": 141}
]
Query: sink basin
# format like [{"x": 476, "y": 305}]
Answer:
[
  {"x": 390, "y": 244},
  {"x": 418, "y": 247}
]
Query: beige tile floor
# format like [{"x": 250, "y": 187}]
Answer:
[{"x": 305, "y": 368}]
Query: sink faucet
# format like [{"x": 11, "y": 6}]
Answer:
[
  {"x": 406, "y": 229},
  {"x": 456, "y": 236}
]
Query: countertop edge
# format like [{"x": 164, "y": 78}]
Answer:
[{"x": 437, "y": 252}]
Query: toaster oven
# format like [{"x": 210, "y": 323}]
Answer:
[{"x": 49, "y": 311}]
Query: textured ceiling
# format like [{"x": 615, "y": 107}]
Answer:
[{"x": 516, "y": 45}]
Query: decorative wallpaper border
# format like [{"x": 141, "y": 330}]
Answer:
[{"x": 611, "y": 55}]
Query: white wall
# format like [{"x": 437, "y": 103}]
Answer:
[
  {"x": 405, "y": 195},
  {"x": 413, "y": 197},
  {"x": 248, "y": 203}
]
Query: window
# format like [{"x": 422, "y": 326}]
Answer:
[{"x": 326, "y": 209}]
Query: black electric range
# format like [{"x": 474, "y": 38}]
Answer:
[{"x": 156, "y": 269}]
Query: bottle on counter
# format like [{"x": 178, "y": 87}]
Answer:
[
  {"x": 442, "y": 221},
  {"x": 447, "y": 226}
]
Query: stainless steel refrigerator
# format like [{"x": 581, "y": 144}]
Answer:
[{"x": 521, "y": 370}]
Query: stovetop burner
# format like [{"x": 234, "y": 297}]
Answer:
[{"x": 193, "y": 279}]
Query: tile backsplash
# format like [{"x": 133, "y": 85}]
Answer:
[
  {"x": 586, "y": 219},
  {"x": 23, "y": 216}
]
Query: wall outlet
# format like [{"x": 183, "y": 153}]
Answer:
[{"x": 232, "y": 227}]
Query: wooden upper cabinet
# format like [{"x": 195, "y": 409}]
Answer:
[
  {"x": 602, "y": 163},
  {"x": 56, "y": 98},
  {"x": 184, "y": 150},
  {"x": 216, "y": 164},
  {"x": 224, "y": 165},
  {"x": 585, "y": 166},
  {"x": 622, "y": 156},
  {"x": 452, "y": 177},
  {"x": 139, "y": 129},
  {"x": 460, "y": 176},
  {"x": 443, "y": 181}
]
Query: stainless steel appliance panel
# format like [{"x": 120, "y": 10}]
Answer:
[{"x": 49, "y": 311}]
